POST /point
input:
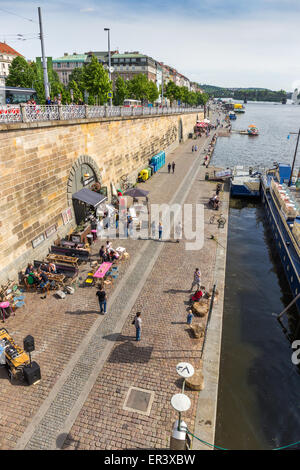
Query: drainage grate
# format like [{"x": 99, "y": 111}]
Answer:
[{"x": 139, "y": 401}]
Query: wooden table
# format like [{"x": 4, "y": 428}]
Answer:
[
  {"x": 59, "y": 278},
  {"x": 62, "y": 259},
  {"x": 102, "y": 270}
]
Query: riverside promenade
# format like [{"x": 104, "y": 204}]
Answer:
[{"x": 89, "y": 361}]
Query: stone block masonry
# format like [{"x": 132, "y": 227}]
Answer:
[{"x": 36, "y": 160}]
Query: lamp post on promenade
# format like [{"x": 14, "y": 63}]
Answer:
[
  {"x": 46, "y": 83},
  {"x": 109, "y": 61}
]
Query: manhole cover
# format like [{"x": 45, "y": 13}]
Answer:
[{"x": 139, "y": 400}]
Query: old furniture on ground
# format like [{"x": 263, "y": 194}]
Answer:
[
  {"x": 102, "y": 270},
  {"x": 82, "y": 255},
  {"x": 63, "y": 259}
]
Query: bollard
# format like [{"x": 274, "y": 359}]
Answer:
[{"x": 178, "y": 438}]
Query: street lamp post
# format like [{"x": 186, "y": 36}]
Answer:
[
  {"x": 109, "y": 61},
  {"x": 46, "y": 83}
]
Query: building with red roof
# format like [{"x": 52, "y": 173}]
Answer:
[{"x": 7, "y": 54}]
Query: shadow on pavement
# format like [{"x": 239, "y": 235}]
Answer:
[
  {"x": 129, "y": 352},
  {"x": 63, "y": 441},
  {"x": 82, "y": 312},
  {"x": 119, "y": 337}
]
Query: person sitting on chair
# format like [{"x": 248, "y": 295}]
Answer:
[
  {"x": 44, "y": 281},
  {"x": 29, "y": 269},
  {"x": 197, "y": 296},
  {"x": 44, "y": 267},
  {"x": 52, "y": 268}
]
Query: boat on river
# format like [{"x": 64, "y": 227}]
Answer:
[
  {"x": 238, "y": 108},
  {"x": 282, "y": 205},
  {"x": 232, "y": 115},
  {"x": 245, "y": 182},
  {"x": 252, "y": 130}
]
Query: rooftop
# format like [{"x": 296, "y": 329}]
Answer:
[
  {"x": 6, "y": 49},
  {"x": 71, "y": 58}
]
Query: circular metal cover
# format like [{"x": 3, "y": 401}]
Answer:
[{"x": 180, "y": 402}]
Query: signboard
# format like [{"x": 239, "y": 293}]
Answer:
[
  {"x": 110, "y": 94},
  {"x": 185, "y": 370},
  {"x": 50, "y": 231},
  {"x": 38, "y": 240}
]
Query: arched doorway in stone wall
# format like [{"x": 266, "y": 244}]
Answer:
[
  {"x": 83, "y": 174},
  {"x": 180, "y": 130}
]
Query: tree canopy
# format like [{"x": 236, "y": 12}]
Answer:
[{"x": 94, "y": 79}]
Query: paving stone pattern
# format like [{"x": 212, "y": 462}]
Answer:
[{"x": 60, "y": 327}]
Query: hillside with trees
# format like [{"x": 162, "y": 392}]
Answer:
[{"x": 250, "y": 94}]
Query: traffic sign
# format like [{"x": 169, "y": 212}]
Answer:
[
  {"x": 110, "y": 94},
  {"x": 185, "y": 370}
]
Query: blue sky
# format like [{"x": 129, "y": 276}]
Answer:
[{"x": 221, "y": 42}]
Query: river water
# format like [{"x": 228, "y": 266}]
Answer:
[{"x": 259, "y": 388}]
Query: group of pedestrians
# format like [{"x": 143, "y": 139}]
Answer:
[
  {"x": 137, "y": 321},
  {"x": 171, "y": 165}
]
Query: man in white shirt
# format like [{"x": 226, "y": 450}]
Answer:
[{"x": 138, "y": 325}]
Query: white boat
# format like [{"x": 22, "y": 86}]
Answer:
[{"x": 245, "y": 182}]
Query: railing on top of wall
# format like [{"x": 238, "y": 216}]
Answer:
[{"x": 36, "y": 113}]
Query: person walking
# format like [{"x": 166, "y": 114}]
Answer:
[
  {"x": 192, "y": 148},
  {"x": 137, "y": 322},
  {"x": 196, "y": 148},
  {"x": 101, "y": 294},
  {"x": 169, "y": 167},
  {"x": 197, "y": 279},
  {"x": 189, "y": 317},
  {"x": 160, "y": 230},
  {"x": 173, "y": 167}
]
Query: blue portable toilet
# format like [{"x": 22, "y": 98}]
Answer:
[{"x": 284, "y": 173}]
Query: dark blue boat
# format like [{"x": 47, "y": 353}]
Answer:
[{"x": 282, "y": 209}]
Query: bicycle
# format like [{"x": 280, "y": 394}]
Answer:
[{"x": 221, "y": 221}]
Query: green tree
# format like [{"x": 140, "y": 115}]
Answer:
[
  {"x": 77, "y": 76},
  {"x": 96, "y": 81},
  {"x": 121, "y": 91},
  {"x": 20, "y": 74},
  {"x": 138, "y": 87},
  {"x": 153, "y": 93},
  {"x": 170, "y": 91},
  {"x": 77, "y": 95}
]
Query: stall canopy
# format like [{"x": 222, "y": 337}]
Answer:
[
  {"x": 89, "y": 197},
  {"x": 136, "y": 192}
]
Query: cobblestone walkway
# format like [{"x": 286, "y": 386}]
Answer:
[{"x": 88, "y": 362}]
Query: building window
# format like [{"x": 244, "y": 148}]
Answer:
[
  {"x": 127, "y": 60},
  {"x": 143, "y": 59}
]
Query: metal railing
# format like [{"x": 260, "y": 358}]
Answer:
[{"x": 36, "y": 113}]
